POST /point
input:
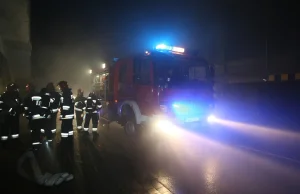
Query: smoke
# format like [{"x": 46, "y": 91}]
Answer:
[{"x": 53, "y": 64}]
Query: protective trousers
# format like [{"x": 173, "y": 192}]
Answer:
[
  {"x": 36, "y": 126},
  {"x": 52, "y": 123},
  {"x": 11, "y": 126},
  {"x": 88, "y": 117},
  {"x": 66, "y": 128},
  {"x": 47, "y": 127},
  {"x": 79, "y": 119}
]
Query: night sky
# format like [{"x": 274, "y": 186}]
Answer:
[{"x": 90, "y": 32}]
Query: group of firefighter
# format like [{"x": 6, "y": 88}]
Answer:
[{"x": 41, "y": 110}]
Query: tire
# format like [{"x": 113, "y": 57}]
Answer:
[
  {"x": 128, "y": 121},
  {"x": 130, "y": 127}
]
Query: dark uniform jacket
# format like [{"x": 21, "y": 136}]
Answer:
[
  {"x": 10, "y": 104},
  {"x": 28, "y": 103},
  {"x": 79, "y": 103},
  {"x": 67, "y": 105},
  {"x": 38, "y": 106},
  {"x": 55, "y": 101},
  {"x": 92, "y": 104}
]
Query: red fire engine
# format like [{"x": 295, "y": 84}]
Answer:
[{"x": 168, "y": 84}]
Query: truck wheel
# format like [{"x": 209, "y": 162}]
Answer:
[
  {"x": 130, "y": 127},
  {"x": 128, "y": 121}
]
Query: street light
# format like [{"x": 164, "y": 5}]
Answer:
[
  {"x": 103, "y": 66},
  {"x": 90, "y": 71}
]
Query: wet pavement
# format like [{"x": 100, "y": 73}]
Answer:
[{"x": 155, "y": 161}]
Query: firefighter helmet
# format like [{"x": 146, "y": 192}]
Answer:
[
  {"x": 92, "y": 94},
  {"x": 63, "y": 85},
  {"x": 79, "y": 92},
  {"x": 12, "y": 88},
  {"x": 30, "y": 87},
  {"x": 50, "y": 87},
  {"x": 43, "y": 91}
]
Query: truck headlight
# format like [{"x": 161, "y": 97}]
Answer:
[
  {"x": 164, "y": 124},
  {"x": 211, "y": 118}
]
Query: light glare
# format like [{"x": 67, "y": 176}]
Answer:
[
  {"x": 211, "y": 118},
  {"x": 163, "y": 47},
  {"x": 164, "y": 124},
  {"x": 178, "y": 49}
]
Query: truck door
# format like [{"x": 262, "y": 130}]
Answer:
[
  {"x": 125, "y": 81},
  {"x": 143, "y": 83}
]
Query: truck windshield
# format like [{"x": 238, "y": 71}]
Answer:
[{"x": 179, "y": 72}]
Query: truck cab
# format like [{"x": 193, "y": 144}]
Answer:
[{"x": 166, "y": 84}]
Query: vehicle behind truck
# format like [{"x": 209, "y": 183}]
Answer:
[{"x": 166, "y": 86}]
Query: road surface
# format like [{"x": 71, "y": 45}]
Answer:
[{"x": 154, "y": 162}]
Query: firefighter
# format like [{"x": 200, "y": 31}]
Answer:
[
  {"x": 55, "y": 98},
  {"x": 66, "y": 109},
  {"x": 46, "y": 111},
  {"x": 79, "y": 108},
  {"x": 38, "y": 111},
  {"x": 92, "y": 105},
  {"x": 30, "y": 89},
  {"x": 10, "y": 112}
]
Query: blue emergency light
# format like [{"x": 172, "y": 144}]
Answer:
[
  {"x": 181, "y": 108},
  {"x": 163, "y": 47},
  {"x": 191, "y": 113}
]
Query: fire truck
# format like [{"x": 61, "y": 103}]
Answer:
[{"x": 166, "y": 86}]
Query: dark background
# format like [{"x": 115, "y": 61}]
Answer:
[{"x": 83, "y": 34}]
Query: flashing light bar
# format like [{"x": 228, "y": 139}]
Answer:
[
  {"x": 170, "y": 48},
  {"x": 178, "y": 49},
  {"x": 163, "y": 47}
]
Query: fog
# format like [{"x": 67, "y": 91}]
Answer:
[{"x": 56, "y": 63}]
